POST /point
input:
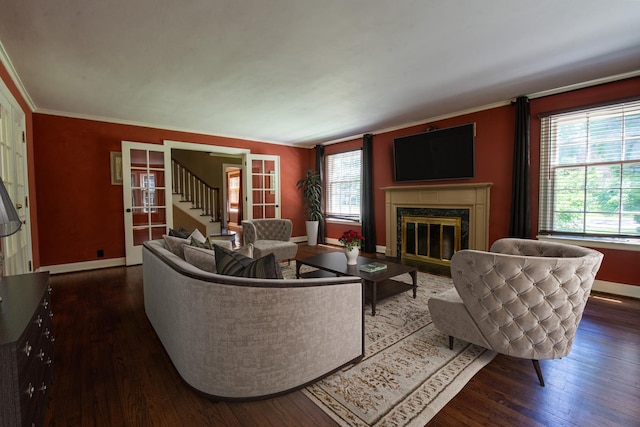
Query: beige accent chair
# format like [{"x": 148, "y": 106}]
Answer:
[
  {"x": 523, "y": 298},
  {"x": 270, "y": 235}
]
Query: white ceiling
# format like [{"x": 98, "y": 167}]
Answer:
[{"x": 306, "y": 71}]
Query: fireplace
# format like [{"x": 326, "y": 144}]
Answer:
[
  {"x": 430, "y": 239},
  {"x": 442, "y": 218}
]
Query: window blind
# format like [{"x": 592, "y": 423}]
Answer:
[
  {"x": 343, "y": 188},
  {"x": 590, "y": 172}
]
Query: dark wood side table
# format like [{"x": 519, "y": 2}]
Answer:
[
  {"x": 227, "y": 235},
  {"x": 26, "y": 349},
  {"x": 379, "y": 284}
]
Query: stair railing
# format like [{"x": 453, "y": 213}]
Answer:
[{"x": 193, "y": 189}]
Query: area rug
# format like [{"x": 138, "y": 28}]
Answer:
[{"x": 408, "y": 373}]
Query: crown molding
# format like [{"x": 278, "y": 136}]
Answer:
[
  {"x": 584, "y": 85},
  {"x": 8, "y": 65},
  {"x": 153, "y": 126},
  {"x": 535, "y": 95}
]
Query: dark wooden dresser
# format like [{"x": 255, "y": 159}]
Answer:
[{"x": 26, "y": 349}]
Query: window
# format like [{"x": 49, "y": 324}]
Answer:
[
  {"x": 343, "y": 189},
  {"x": 590, "y": 172}
]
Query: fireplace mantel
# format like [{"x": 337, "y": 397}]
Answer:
[{"x": 474, "y": 197}]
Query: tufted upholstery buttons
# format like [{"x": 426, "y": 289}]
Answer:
[{"x": 525, "y": 297}]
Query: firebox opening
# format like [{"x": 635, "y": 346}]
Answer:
[{"x": 430, "y": 239}]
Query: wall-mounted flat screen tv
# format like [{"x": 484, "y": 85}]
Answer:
[{"x": 435, "y": 155}]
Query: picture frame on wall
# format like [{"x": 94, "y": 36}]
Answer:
[{"x": 116, "y": 168}]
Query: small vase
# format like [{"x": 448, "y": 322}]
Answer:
[{"x": 352, "y": 255}]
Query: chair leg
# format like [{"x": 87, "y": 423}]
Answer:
[
  {"x": 450, "y": 342},
  {"x": 536, "y": 364}
]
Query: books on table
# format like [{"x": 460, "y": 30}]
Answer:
[{"x": 373, "y": 267}]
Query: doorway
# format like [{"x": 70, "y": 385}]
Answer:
[{"x": 233, "y": 196}]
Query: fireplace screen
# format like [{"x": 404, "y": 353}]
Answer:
[{"x": 430, "y": 239}]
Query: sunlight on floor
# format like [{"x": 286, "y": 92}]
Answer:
[{"x": 606, "y": 299}]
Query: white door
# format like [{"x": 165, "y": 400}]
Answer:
[
  {"x": 262, "y": 186},
  {"x": 13, "y": 168},
  {"x": 147, "y": 195}
]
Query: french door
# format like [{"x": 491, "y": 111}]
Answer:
[
  {"x": 147, "y": 195},
  {"x": 262, "y": 178},
  {"x": 13, "y": 169}
]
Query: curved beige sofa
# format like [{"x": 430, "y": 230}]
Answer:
[{"x": 240, "y": 338}]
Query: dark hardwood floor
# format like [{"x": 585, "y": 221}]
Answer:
[{"x": 111, "y": 370}]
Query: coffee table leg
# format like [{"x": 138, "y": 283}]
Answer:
[
  {"x": 374, "y": 295},
  {"x": 414, "y": 276},
  {"x": 298, "y": 264}
]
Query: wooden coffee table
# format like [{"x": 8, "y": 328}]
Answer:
[{"x": 378, "y": 284}]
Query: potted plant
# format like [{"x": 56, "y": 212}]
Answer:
[{"x": 311, "y": 188}]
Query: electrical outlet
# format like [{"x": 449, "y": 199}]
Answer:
[{"x": 100, "y": 253}]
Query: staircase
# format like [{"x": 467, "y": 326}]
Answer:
[{"x": 196, "y": 198}]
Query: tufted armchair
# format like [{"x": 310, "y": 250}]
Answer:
[
  {"x": 523, "y": 298},
  {"x": 270, "y": 235}
]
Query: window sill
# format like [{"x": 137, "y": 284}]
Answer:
[
  {"x": 595, "y": 242},
  {"x": 343, "y": 221}
]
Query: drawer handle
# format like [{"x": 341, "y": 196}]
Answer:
[
  {"x": 27, "y": 349},
  {"x": 49, "y": 290},
  {"x": 48, "y": 362},
  {"x": 30, "y": 390},
  {"x": 39, "y": 321},
  {"x": 41, "y": 355},
  {"x": 45, "y": 304},
  {"x": 43, "y": 388},
  {"x": 51, "y": 314},
  {"x": 47, "y": 334}
]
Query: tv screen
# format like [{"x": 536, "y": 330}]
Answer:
[{"x": 435, "y": 155}]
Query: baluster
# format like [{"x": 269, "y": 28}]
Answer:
[
  {"x": 199, "y": 194},
  {"x": 205, "y": 203}
]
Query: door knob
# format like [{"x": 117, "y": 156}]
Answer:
[{"x": 18, "y": 206}]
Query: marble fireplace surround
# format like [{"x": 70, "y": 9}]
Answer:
[{"x": 472, "y": 197}]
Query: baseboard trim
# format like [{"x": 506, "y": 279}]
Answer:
[
  {"x": 332, "y": 241},
  {"x": 82, "y": 266},
  {"x": 616, "y": 288}
]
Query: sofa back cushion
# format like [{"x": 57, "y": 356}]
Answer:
[
  {"x": 175, "y": 244},
  {"x": 204, "y": 259}
]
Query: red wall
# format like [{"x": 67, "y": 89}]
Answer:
[
  {"x": 70, "y": 157},
  {"x": 80, "y": 211},
  {"x": 494, "y": 153}
]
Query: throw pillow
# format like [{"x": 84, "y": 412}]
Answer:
[
  {"x": 232, "y": 263},
  {"x": 266, "y": 267},
  {"x": 181, "y": 232},
  {"x": 174, "y": 244},
  {"x": 197, "y": 235},
  {"x": 205, "y": 244},
  {"x": 204, "y": 259}
]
